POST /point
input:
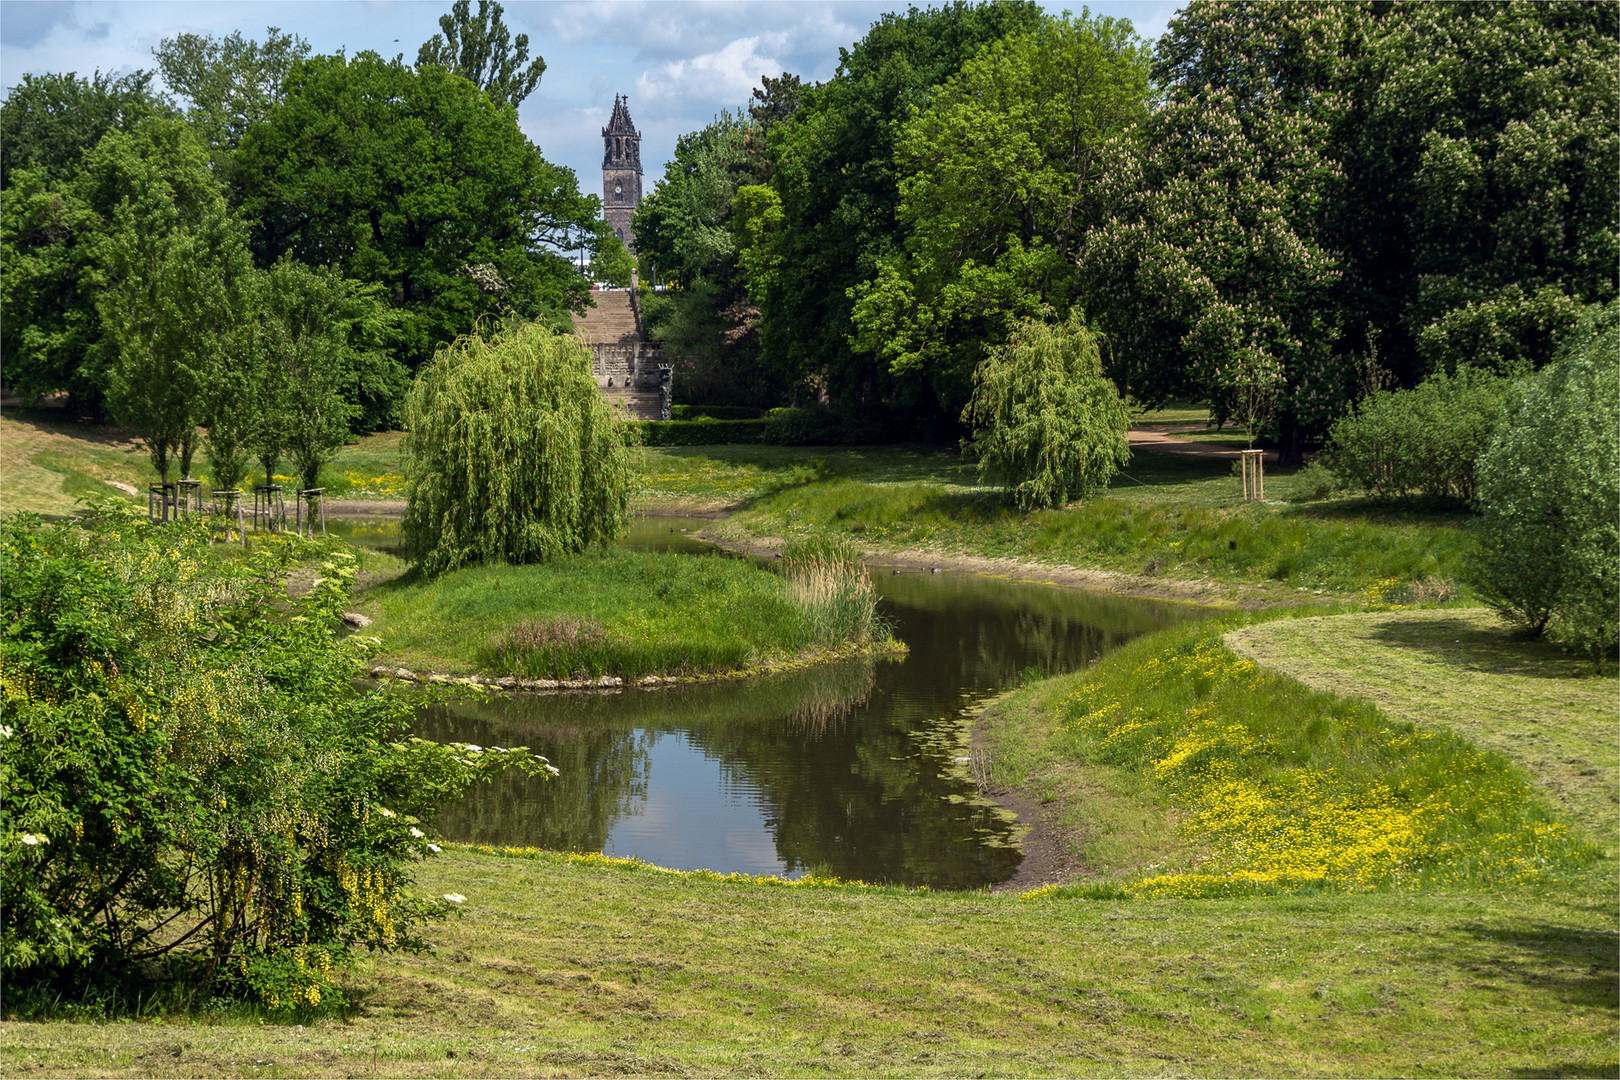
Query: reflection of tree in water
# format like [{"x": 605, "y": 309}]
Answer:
[{"x": 602, "y": 776}]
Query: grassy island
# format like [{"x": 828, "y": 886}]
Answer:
[{"x": 627, "y": 613}]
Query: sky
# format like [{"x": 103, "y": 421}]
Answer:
[{"x": 680, "y": 61}]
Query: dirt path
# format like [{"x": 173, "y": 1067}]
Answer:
[{"x": 1162, "y": 439}]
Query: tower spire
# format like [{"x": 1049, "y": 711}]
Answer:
[{"x": 621, "y": 171}]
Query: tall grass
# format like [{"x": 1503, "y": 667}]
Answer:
[{"x": 826, "y": 581}]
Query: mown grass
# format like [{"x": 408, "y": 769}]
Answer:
[
  {"x": 606, "y": 612},
  {"x": 1464, "y": 670},
  {"x": 48, "y": 460},
  {"x": 563, "y": 966}
]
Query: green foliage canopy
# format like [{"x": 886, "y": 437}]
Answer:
[
  {"x": 1047, "y": 423},
  {"x": 512, "y": 453},
  {"x": 1549, "y": 495},
  {"x": 409, "y": 180},
  {"x": 1422, "y": 442},
  {"x": 836, "y": 182},
  {"x": 998, "y": 179},
  {"x": 483, "y": 51}
]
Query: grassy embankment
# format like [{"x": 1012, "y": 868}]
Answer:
[
  {"x": 628, "y": 614},
  {"x": 577, "y": 965}
]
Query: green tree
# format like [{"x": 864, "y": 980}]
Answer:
[
  {"x": 171, "y": 271},
  {"x": 612, "y": 262},
  {"x": 48, "y": 121},
  {"x": 304, "y": 333},
  {"x": 1217, "y": 253},
  {"x": 836, "y": 181},
  {"x": 998, "y": 179},
  {"x": 1549, "y": 497},
  {"x": 512, "y": 454},
  {"x": 196, "y": 795},
  {"x": 50, "y": 219},
  {"x": 1481, "y": 186},
  {"x": 482, "y": 51},
  {"x": 684, "y": 227},
  {"x": 405, "y": 179},
  {"x": 1047, "y": 423},
  {"x": 229, "y": 84}
]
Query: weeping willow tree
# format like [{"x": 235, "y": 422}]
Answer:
[
  {"x": 1047, "y": 423},
  {"x": 512, "y": 454}
]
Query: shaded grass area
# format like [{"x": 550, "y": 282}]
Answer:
[
  {"x": 1463, "y": 670},
  {"x": 608, "y": 611},
  {"x": 563, "y": 966},
  {"x": 1275, "y": 787}
]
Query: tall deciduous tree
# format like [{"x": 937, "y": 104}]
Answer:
[
  {"x": 684, "y": 228},
  {"x": 50, "y": 217},
  {"x": 837, "y": 185},
  {"x": 1482, "y": 180},
  {"x": 1217, "y": 252},
  {"x": 304, "y": 333},
  {"x": 483, "y": 51},
  {"x": 405, "y": 179},
  {"x": 228, "y": 84},
  {"x": 998, "y": 179},
  {"x": 48, "y": 121}
]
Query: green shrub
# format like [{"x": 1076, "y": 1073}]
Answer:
[
  {"x": 715, "y": 412},
  {"x": 845, "y": 425},
  {"x": 195, "y": 794},
  {"x": 700, "y": 432},
  {"x": 1421, "y": 442},
  {"x": 1047, "y": 423},
  {"x": 1550, "y": 495},
  {"x": 511, "y": 453}
]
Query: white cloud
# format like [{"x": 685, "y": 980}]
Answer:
[{"x": 722, "y": 78}]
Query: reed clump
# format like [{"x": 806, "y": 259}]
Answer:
[{"x": 826, "y": 581}]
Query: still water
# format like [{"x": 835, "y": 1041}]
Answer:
[{"x": 861, "y": 769}]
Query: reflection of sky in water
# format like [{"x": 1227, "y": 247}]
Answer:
[{"x": 695, "y": 816}]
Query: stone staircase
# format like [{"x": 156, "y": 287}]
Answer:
[
  {"x": 629, "y": 370},
  {"x": 611, "y": 322}
]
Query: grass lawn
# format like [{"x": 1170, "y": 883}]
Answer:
[
  {"x": 567, "y": 968},
  {"x": 48, "y": 461},
  {"x": 1464, "y": 670}
]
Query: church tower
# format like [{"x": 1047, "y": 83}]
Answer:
[{"x": 621, "y": 172}]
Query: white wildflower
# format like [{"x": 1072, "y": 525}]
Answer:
[
  {"x": 455, "y": 897},
  {"x": 385, "y": 812},
  {"x": 417, "y": 834},
  {"x": 35, "y": 839}
]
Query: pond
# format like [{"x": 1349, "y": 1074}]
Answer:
[{"x": 863, "y": 769}]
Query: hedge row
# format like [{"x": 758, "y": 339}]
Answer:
[{"x": 706, "y": 432}]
